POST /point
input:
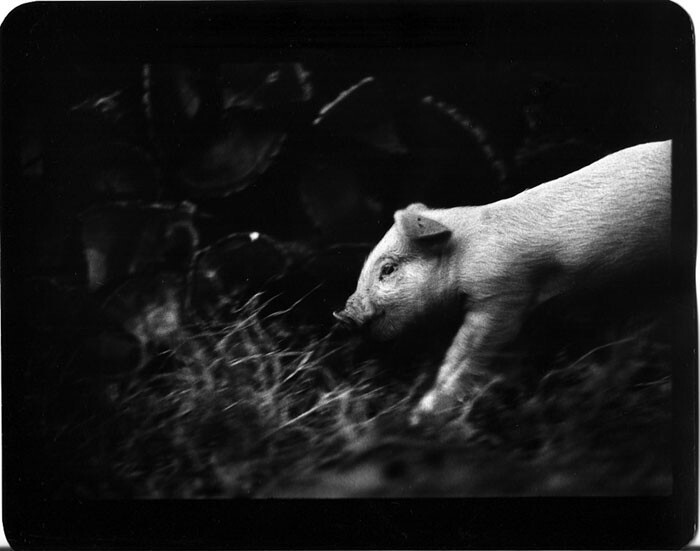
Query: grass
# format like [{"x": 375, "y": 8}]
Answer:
[
  {"x": 259, "y": 407},
  {"x": 238, "y": 404}
]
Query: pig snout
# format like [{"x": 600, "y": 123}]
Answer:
[
  {"x": 356, "y": 314},
  {"x": 345, "y": 319}
]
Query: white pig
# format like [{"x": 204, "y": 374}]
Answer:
[{"x": 498, "y": 261}]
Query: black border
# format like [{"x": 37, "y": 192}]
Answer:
[{"x": 45, "y": 33}]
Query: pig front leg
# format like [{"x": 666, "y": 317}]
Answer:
[{"x": 464, "y": 371}]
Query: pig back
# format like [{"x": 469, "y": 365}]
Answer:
[{"x": 609, "y": 218}]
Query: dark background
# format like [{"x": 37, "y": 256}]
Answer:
[{"x": 593, "y": 78}]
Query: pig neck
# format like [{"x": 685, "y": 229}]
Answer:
[
  {"x": 490, "y": 233},
  {"x": 499, "y": 247}
]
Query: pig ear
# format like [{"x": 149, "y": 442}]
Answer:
[
  {"x": 415, "y": 225},
  {"x": 416, "y": 207}
]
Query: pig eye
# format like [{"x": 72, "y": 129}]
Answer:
[{"x": 387, "y": 270}]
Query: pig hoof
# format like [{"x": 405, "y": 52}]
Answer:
[
  {"x": 420, "y": 418},
  {"x": 427, "y": 418},
  {"x": 433, "y": 408}
]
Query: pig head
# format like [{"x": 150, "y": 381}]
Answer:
[{"x": 408, "y": 275}]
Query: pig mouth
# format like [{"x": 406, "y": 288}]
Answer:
[
  {"x": 374, "y": 319},
  {"x": 378, "y": 329}
]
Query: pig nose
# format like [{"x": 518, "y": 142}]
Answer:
[{"x": 346, "y": 319}]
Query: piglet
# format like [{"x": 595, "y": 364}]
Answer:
[{"x": 496, "y": 262}]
